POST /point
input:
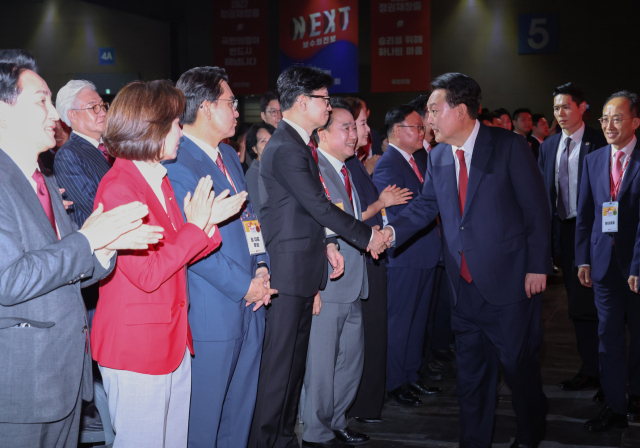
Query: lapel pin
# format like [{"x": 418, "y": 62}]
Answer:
[{"x": 587, "y": 143}]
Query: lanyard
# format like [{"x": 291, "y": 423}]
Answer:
[
  {"x": 326, "y": 191},
  {"x": 615, "y": 186}
]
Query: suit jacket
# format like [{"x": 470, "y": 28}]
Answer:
[
  {"x": 535, "y": 146},
  {"x": 423, "y": 249},
  {"x": 253, "y": 189},
  {"x": 592, "y": 246},
  {"x": 141, "y": 323},
  {"x": 504, "y": 230},
  {"x": 591, "y": 140},
  {"x": 295, "y": 212},
  {"x": 353, "y": 284},
  {"x": 79, "y": 166},
  {"x": 218, "y": 283},
  {"x": 42, "y": 367}
]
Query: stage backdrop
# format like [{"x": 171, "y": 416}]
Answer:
[
  {"x": 240, "y": 44},
  {"x": 323, "y": 33},
  {"x": 400, "y": 45}
]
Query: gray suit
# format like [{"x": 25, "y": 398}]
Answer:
[
  {"x": 45, "y": 368},
  {"x": 336, "y": 346}
]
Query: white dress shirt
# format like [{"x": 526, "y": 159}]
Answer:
[
  {"x": 627, "y": 150},
  {"x": 299, "y": 130},
  {"x": 467, "y": 147},
  {"x": 426, "y": 145},
  {"x": 212, "y": 152},
  {"x": 574, "y": 166},
  {"x": 93, "y": 141},
  {"x": 153, "y": 175},
  {"x": 337, "y": 165}
]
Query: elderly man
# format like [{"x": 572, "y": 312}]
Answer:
[{"x": 45, "y": 361}]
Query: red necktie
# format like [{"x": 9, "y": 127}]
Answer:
[
  {"x": 105, "y": 153},
  {"x": 347, "y": 181},
  {"x": 617, "y": 173},
  {"x": 416, "y": 170},
  {"x": 314, "y": 151},
  {"x": 223, "y": 168},
  {"x": 463, "y": 177},
  {"x": 45, "y": 198}
]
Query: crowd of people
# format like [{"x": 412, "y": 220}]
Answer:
[{"x": 241, "y": 279}]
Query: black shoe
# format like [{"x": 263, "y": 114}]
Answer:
[
  {"x": 350, "y": 437},
  {"x": 579, "y": 382},
  {"x": 634, "y": 408},
  {"x": 404, "y": 397},
  {"x": 431, "y": 374},
  {"x": 369, "y": 420},
  {"x": 517, "y": 444},
  {"x": 418, "y": 388},
  {"x": 606, "y": 420},
  {"x": 444, "y": 356},
  {"x": 333, "y": 443},
  {"x": 599, "y": 396}
]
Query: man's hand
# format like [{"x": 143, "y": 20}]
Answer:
[
  {"x": 336, "y": 260},
  {"x": 317, "y": 304},
  {"x": 633, "y": 283},
  {"x": 535, "y": 284},
  {"x": 370, "y": 164},
  {"x": 388, "y": 234},
  {"x": 137, "y": 239},
  {"x": 103, "y": 228},
  {"x": 378, "y": 244},
  {"x": 66, "y": 203},
  {"x": 259, "y": 294},
  {"x": 584, "y": 274}
]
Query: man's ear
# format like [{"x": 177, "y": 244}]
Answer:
[
  {"x": 301, "y": 101},
  {"x": 462, "y": 111},
  {"x": 583, "y": 107},
  {"x": 322, "y": 134},
  {"x": 71, "y": 115},
  {"x": 205, "y": 109},
  {"x": 263, "y": 116}
]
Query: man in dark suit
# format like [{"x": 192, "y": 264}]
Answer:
[
  {"x": 486, "y": 186},
  {"x": 295, "y": 213},
  {"x": 411, "y": 269},
  {"x": 45, "y": 358},
  {"x": 561, "y": 159},
  {"x": 522, "y": 123},
  {"x": 539, "y": 132},
  {"x": 608, "y": 255},
  {"x": 227, "y": 334}
]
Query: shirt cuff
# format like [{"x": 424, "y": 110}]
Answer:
[
  {"x": 584, "y": 265},
  {"x": 370, "y": 239},
  {"x": 212, "y": 231},
  {"x": 105, "y": 260},
  {"x": 393, "y": 240}
]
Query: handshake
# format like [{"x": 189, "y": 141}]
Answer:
[{"x": 380, "y": 241}]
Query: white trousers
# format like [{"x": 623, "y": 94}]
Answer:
[{"x": 149, "y": 411}]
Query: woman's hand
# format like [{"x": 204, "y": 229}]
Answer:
[
  {"x": 393, "y": 195},
  {"x": 370, "y": 164},
  {"x": 197, "y": 209},
  {"x": 225, "y": 206}
]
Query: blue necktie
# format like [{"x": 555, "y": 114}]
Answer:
[{"x": 563, "y": 182}]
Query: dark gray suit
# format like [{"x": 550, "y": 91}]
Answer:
[
  {"x": 45, "y": 369},
  {"x": 336, "y": 345}
]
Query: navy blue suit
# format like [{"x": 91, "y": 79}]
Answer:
[
  {"x": 582, "y": 308},
  {"x": 612, "y": 257},
  {"x": 411, "y": 273},
  {"x": 505, "y": 234},
  {"x": 227, "y": 336}
]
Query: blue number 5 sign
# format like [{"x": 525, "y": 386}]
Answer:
[{"x": 537, "y": 33}]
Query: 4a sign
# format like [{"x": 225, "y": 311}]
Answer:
[
  {"x": 320, "y": 23},
  {"x": 107, "y": 55},
  {"x": 537, "y": 33}
]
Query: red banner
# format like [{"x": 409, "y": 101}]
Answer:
[
  {"x": 400, "y": 45},
  {"x": 240, "y": 44}
]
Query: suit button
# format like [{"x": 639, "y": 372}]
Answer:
[
  {"x": 461, "y": 227},
  {"x": 182, "y": 303},
  {"x": 459, "y": 252},
  {"x": 84, "y": 329}
]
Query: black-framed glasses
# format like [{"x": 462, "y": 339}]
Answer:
[
  {"x": 604, "y": 121},
  {"x": 274, "y": 112},
  {"x": 419, "y": 128},
  {"x": 96, "y": 108},
  {"x": 233, "y": 102},
  {"x": 325, "y": 98}
]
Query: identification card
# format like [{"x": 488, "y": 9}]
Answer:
[
  {"x": 252, "y": 231},
  {"x": 385, "y": 220},
  {"x": 327, "y": 230},
  {"x": 609, "y": 217}
]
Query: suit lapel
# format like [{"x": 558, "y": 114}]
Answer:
[
  {"x": 631, "y": 171},
  {"x": 605, "y": 174},
  {"x": 62, "y": 219},
  {"x": 481, "y": 153},
  {"x": 407, "y": 166},
  {"x": 330, "y": 174}
]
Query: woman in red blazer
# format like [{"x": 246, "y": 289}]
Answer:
[{"x": 141, "y": 337}]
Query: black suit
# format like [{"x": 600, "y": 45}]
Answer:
[
  {"x": 295, "y": 212},
  {"x": 535, "y": 146},
  {"x": 582, "y": 309}
]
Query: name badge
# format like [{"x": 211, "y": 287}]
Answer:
[
  {"x": 609, "y": 217},
  {"x": 385, "y": 220},
  {"x": 252, "y": 231},
  {"x": 327, "y": 230}
]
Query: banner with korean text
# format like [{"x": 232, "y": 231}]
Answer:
[
  {"x": 240, "y": 44},
  {"x": 400, "y": 45},
  {"x": 323, "y": 33}
]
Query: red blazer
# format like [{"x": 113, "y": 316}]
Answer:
[{"x": 141, "y": 322}]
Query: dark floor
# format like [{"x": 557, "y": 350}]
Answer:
[{"x": 435, "y": 423}]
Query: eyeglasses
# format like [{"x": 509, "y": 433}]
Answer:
[
  {"x": 604, "y": 121},
  {"x": 275, "y": 112},
  {"x": 419, "y": 128},
  {"x": 325, "y": 98},
  {"x": 96, "y": 108},
  {"x": 233, "y": 102}
]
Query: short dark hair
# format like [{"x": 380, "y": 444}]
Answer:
[
  {"x": 575, "y": 92},
  {"x": 483, "y": 117},
  {"x": 460, "y": 89},
  {"x": 252, "y": 136},
  {"x": 139, "y": 119},
  {"x": 241, "y": 130},
  {"x": 200, "y": 84},
  {"x": 19, "y": 57},
  {"x": 300, "y": 80},
  {"x": 361, "y": 98},
  {"x": 535, "y": 118},
  {"x": 502, "y": 111},
  {"x": 633, "y": 101},
  {"x": 10, "y": 82},
  {"x": 354, "y": 104},
  {"x": 337, "y": 103},
  {"x": 266, "y": 99},
  {"x": 420, "y": 103},
  {"x": 397, "y": 115},
  {"x": 522, "y": 110}
]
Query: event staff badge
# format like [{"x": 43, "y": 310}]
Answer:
[
  {"x": 327, "y": 230},
  {"x": 385, "y": 220},
  {"x": 609, "y": 217},
  {"x": 253, "y": 233}
]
